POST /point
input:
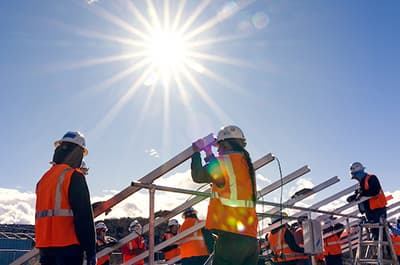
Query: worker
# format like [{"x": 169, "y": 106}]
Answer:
[
  {"x": 299, "y": 239},
  {"x": 395, "y": 236},
  {"x": 332, "y": 247},
  {"x": 103, "y": 241},
  {"x": 84, "y": 167},
  {"x": 136, "y": 246},
  {"x": 64, "y": 227},
  {"x": 282, "y": 242},
  {"x": 231, "y": 211},
  {"x": 375, "y": 207},
  {"x": 193, "y": 249},
  {"x": 171, "y": 251}
]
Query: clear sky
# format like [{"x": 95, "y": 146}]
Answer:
[{"x": 314, "y": 82}]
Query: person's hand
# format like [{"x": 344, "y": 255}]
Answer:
[
  {"x": 91, "y": 260},
  {"x": 351, "y": 198}
]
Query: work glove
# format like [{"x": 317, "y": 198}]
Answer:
[
  {"x": 351, "y": 198},
  {"x": 91, "y": 260},
  {"x": 198, "y": 145}
]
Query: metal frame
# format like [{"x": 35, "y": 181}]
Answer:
[
  {"x": 257, "y": 164},
  {"x": 128, "y": 191}
]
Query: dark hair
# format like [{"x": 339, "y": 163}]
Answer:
[
  {"x": 237, "y": 146},
  {"x": 68, "y": 153}
]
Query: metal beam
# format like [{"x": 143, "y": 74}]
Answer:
[{"x": 257, "y": 164}]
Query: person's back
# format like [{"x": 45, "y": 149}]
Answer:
[
  {"x": 231, "y": 211},
  {"x": 332, "y": 245},
  {"x": 64, "y": 227},
  {"x": 283, "y": 243},
  {"x": 193, "y": 249}
]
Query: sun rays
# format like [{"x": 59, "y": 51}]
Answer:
[{"x": 166, "y": 43}]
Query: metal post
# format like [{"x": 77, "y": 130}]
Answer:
[
  {"x": 349, "y": 238},
  {"x": 151, "y": 226}
]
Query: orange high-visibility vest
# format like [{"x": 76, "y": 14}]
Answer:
[
  {"x": 332, "y": 245},
  {"x": 173, "y": 252},
  {"x": 54, "y": 218},
  {"x": 280, "y": 247},
  {"x": 379, "y": 200},
  {"x": 192, "y": 245},
  {"x": 136, "y": 243},
  {"x": 231, "y": 207},
  {"x": 396, "y": 243},
  {"x": 105, "y": 258}
]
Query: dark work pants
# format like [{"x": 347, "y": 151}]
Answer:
[
  {"x": 235, "y": 249},
  {"x": 334, "y": 259},
  {"x": 373, "y": 216},
  {"x": 61, "y": 260}
]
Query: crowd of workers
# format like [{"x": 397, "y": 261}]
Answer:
[{"x": 66, "y": 233}]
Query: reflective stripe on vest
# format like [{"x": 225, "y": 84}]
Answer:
[
  {"x": 57, "y": 211},
  {"x": 332, "y": 243},
  {"x": 282, "y": 249},
  {"x": 231, "y": 207},
  {"x": 193, "y": 244},
  {"x": 53, "y": 209},
  {"x": 232, "y": 201}
]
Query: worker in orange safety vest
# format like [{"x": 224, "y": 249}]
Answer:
[
  {"x": 103, "y": 241},
  {"x": 193, "y": 249},
  {"x": 231, "y": 211},
  {"x": 171, "y": 251},
  {"x": 375, "y": 207},
  {"x": 332, "y": 246},
  {"x": 283, "y": 244},
  {"x": 136, "y": 246},
  {"x": 64, "y": 227}
]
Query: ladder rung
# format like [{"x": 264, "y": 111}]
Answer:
[
  {"x": 372, "y": 242},
  {"x": 372, "y": 225},
  {"x": 375, "y": 261}
]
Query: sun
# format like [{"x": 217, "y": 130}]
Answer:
[{"x": 168, "y": 52}]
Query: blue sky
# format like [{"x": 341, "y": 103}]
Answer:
[{"x": 314, "y": 82}]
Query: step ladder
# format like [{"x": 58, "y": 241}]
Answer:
[{"x": 372, "y": 251}]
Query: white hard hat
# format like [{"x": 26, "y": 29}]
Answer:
[
  {"x": 173, "y": 222},
  {"x": 230, "y": 132},
  {"x": 101, "y": 225},
  {"x": 356, "y": 167},
  {"x": 76, "y": 138},
  {"x": 133, "y": 225},
  {"x": 84, "y": 167}
]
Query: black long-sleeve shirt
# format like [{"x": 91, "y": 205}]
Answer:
[{"x": 79, "y": 199}]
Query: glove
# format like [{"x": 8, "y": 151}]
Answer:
[
  {"x": 351, "y": 198},
  {"x": 198, "y": 145},
  {"x": 91, "y": 260}
]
